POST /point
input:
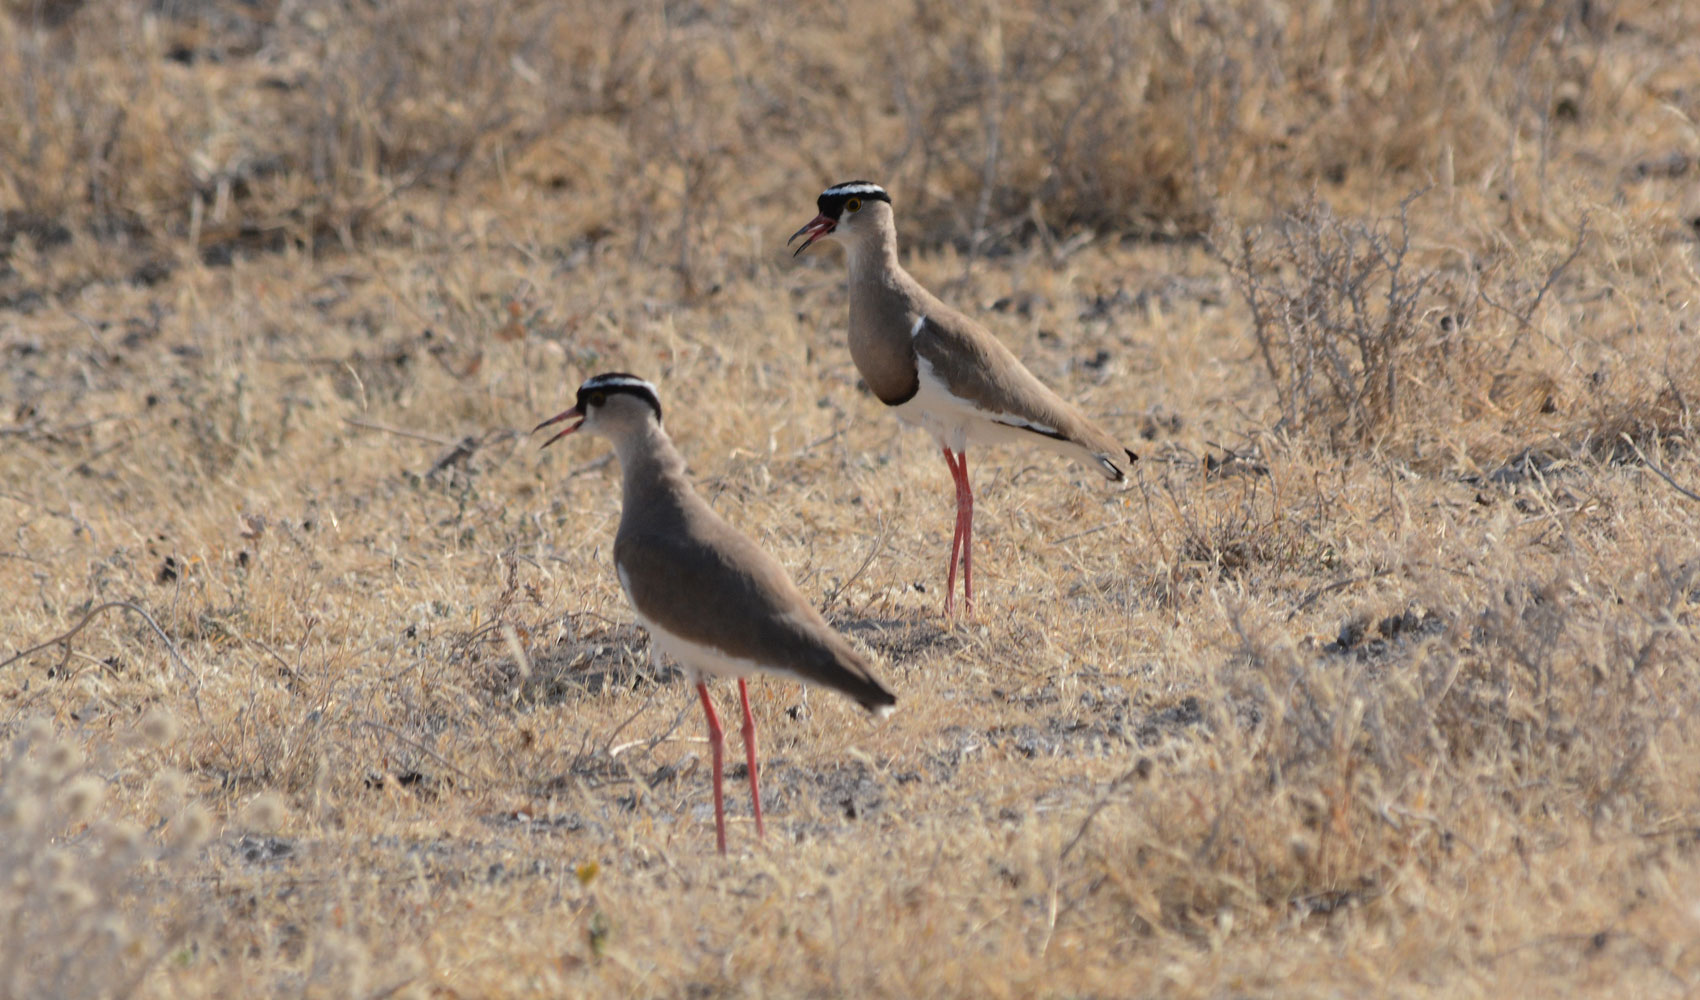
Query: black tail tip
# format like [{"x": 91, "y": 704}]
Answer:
[
  {"x": 1131, "y": 457},
  {"x": 882, "y": 703}
]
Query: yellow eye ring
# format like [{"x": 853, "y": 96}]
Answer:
[
  {"x": 598, "y": 398},
  {"x": 853, "y": 205}
]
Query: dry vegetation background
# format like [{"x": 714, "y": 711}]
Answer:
[{"x": 1378, "y": 681}]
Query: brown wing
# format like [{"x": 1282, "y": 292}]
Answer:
[
  {"x": 712, "y": 586},
  {"x": 976, "y": 366}
]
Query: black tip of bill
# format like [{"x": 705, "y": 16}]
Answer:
[
  {"x": 793, "y": 239},
  {"x": 557, "y": 418},
  {"x": 819, "y": 226}
]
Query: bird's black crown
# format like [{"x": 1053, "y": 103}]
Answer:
[
  {"x": 612, "y": 382},
  {"x": 831, "y": 201}
]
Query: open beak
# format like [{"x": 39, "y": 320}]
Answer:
[
  {"x": 557, "y": 418},
  {"x": 819, "y": 226}
]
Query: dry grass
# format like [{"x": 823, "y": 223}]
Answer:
[{"x": 1377, "y": 680}]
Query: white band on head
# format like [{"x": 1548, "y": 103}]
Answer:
[
  {"x": 855, "y": 188},
  {"x": 620, "y": 382}
]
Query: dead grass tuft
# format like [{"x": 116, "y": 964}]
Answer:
[{"x": 72, "y": 878}]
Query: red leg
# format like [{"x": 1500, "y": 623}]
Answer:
[
  {"x": 965, "y": 514},
  {"x": 956, "y": 535},
  {"x": 717, "y": 746},
  {"x": 750, "y": 753}
]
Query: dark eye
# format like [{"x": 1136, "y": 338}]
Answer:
[
  {"x": 597, "y": 398},
  {"x": 854, "y": 204}
]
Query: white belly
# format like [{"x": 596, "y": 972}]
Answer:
[
  {"x": 955, "y": 422},
  {"x": 699, "y": 660}
]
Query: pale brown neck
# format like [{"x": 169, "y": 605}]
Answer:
[
  {"x": 873, "y": 257},
  {"x": 884, "y": 303},
  {"x": 652, "y": 472}
]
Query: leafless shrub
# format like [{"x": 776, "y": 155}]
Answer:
[
  {"x": 1552, "y": 666},
  {"x": 1543, "y": 687},
  {"x": 1336, "y": 309}
]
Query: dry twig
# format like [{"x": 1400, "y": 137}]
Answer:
[
  {"x": 126, "y": 605},
  {"x": 1690, "y": 494}
]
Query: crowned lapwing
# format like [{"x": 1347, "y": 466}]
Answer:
[
  {"x": 938, "y": 369},
  {"x": 708, "y": 595}
]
